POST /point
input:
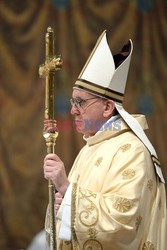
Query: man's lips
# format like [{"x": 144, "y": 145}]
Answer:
[{"x": 78, "y": 122}]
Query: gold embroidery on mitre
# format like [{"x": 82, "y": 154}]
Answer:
[
  {"x": 148, "y": 246},
  {"x": 98, "y": 162},
  {"x": 125, "y": 147},
  {"x": 92, "y": 232},
  {"x": 138, "y": 222},
  {"x": 92, "y": 245},
  {"x": 121, "y": 204},
  {"x": 128, "y": 174},
  {"x": 89, "y": 216},
  {"x": 150, "y": 185}
]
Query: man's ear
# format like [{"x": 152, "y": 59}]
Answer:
[{"x": 108, "y": 108}]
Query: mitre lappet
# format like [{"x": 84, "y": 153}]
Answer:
[{"x": 105, "y": 75}]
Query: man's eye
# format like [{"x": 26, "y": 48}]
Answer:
[{"x": 80, "y": 101}]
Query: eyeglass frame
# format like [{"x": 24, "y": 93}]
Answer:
[{"x": 74, "y": 101}]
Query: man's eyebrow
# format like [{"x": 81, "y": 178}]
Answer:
[{"x": 78, "y": 97}]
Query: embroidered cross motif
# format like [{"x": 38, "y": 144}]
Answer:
[{"x": 89, "y": 214}]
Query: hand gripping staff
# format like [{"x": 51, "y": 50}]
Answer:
[{"x": 50, "y": 132}]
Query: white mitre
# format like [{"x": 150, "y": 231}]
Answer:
[{"x": 105, "y": 75}]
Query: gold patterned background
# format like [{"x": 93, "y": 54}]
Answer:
[{"x": 77, "y": 25}]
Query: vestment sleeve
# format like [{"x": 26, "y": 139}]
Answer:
[{"x": 65, "y": 228}]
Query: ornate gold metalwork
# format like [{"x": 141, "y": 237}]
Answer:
[
  {"x": 50, "y": 133},
  {"x": 55, "y": 63}
]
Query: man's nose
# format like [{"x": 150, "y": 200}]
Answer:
[{"x": 74, "y": 110}]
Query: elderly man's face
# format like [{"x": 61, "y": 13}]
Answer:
[{"x": 88, "y": 113}]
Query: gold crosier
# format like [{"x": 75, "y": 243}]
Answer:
[{"x": 50, "y": 132}]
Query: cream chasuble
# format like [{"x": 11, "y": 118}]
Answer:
[{"x": 118, "y": 202}]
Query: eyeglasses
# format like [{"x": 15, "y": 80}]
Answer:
[{"x": 79, "y": 102}]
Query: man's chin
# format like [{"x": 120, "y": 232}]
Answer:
[
  {"x": 86, "y": 133},
  {"x": 79, "y": 129}
]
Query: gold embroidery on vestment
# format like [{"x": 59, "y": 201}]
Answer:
[
  {"x": 148, "y": 246},
  {"x": 128, "y": 173},
  {"x": 92, "y": 194},
  {"x": 125, "y": 147},
  {"x": 92, "y": 232},
  {"x": 89, "y": 216},
  {"x": 73, "y": 214},
  {"x": 160, "y": 204},
  {"x": 150, "y": 185},
  {"x": 122, "y": 204},
  {"x": 98, "y": 162},
  {"x": 67, "y": 242},
  {"x": 138, "y": 222},
  {"x": 92, "y": 245}
]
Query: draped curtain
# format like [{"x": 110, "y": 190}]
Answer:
[{"x": 77, "y": 25}]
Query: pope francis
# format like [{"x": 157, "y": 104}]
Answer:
[{"x": 114, "y": 197}]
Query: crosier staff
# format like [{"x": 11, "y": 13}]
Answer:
[{"x": 50, "y": 133}]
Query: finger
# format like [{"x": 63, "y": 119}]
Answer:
[
  {"x": 58, "y": 195},
  {"x": 57, "y": 208},
  {"x": 50, "y": 163},
  {"x": 57, "y": 158},
  {"x": 48, "y": 169},
  {"x": 58, "y": 201},
  {"x": 48, "y": 175},
  {"x": 49, "y": 157},
  {"x": 52, "y": 157}
]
